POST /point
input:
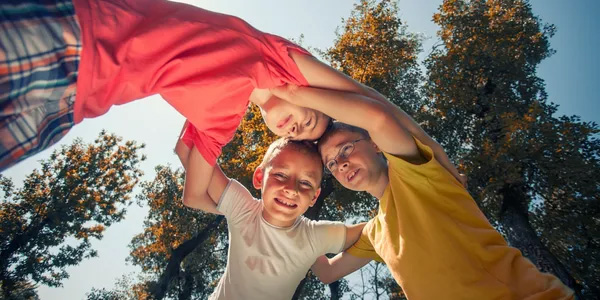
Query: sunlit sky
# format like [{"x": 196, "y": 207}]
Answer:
[{"x": 571, "y": 77}]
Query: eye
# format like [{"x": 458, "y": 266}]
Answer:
[
  {"x": 331, "y": 164},
  {"x": 309, "y": 122},
  {"x": 306, "y": 183},
  {"x": 346, "y": 150},
  {"x": 279, "y": 175}
]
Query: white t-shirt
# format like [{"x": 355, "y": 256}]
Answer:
[{"x": 266, "y": 261}]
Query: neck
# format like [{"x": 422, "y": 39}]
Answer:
[{"x": 275, "y": 222}]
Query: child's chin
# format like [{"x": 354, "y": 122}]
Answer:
[{"x": 353, "y": 187}]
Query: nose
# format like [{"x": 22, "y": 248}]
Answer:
[
  {"x": 290, "y": 188},
  {"x": 293, "y": 132},
  {"x": 343, "y": 166}
]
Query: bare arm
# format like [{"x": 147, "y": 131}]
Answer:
[
  {"x": 198, "y": 177},
  {"x": 321, "y": 75},
  {"x": 353, "y": 233},
  {"x": 181, "y": 149},
  {"x": 330, "y": 270},
  {"x": 385, "y": 129},
  {"x": 204, "y": 183}
]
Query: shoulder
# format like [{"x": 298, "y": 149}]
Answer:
[
  {"x": 400, "y": 166},
  {"x": 320, "y": 224},
  {"x": 323, "y": 231},
  {"x": 235, "y": 199},
  {"x": 235, "y": 189}
]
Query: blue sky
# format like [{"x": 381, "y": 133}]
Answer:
[{"x": 571, "y": 77}]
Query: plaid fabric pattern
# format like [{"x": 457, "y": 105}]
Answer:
[{"x": 40, "y": 47}]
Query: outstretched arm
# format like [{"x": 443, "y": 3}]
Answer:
[
  {"x": 181, "y": 149},
  {"x": 385, "y": 129},
  {"x": 204, "y": 183},
  {"x": 321, "y": 75},
  {"x": 353, "y": 233},
  {"x": 330, "y": 270}
]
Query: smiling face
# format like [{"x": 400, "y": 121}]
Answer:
[
  {"x": 360, "y": 170},
  {"x": 289, "y": 182},
  {"x": 288, "y": 120}
]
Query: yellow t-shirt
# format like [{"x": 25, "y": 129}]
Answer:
[{"x": 439, "y": 245}]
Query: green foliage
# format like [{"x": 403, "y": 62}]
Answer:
[
  {"x": 104, "y": 294},
  {"x": 21, "y": 290},
  {"x": 376, "y": 283},
  {"x": 125, "y": 289},
  {"x": 48, "y": 224},
  {"x": 376, "y": 49}
]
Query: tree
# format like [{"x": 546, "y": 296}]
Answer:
[
  {"x": 376, "y": 49},
  {"x": 21, "y": 290},
  {"x": 376, "y": 283},
  {"x": 125, "y": 289},
  {"x": 47, "y": 224},
  {"x": 490, "y": 111}
]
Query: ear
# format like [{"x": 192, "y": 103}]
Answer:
[
  {"x": 257, "y": 178},
  {"x": 314, "y": 199},
  {"x": 375, "y": 146}
]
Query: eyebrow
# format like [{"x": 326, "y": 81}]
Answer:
[
  {"x": 311, "y": 174},
  {"x": 285, "y": 166}
]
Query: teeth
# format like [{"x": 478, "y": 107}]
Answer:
[
  {"x": 351, "y": 175},
  {"x": 286, "y": 203}
]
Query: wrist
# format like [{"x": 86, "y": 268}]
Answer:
[{"x": 286, "y": 92}]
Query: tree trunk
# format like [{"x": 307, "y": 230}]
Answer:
[
  {"x": 20, "y": 240},
  {"x": 519, "y": 234},
  {"x": 334, "y": 288},
  {"x": 188, "y": 284},
  {"x": 159, "y": 289},
  {"x": 7, "y": 287},
  {"x": 313, "y": 214}
]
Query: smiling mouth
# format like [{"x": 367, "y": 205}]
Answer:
[
  {"x": 284, "y": 122},
  {"x": 285, "y": 203}
]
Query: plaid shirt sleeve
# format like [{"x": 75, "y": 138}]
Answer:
[{"x": 40, "y": 48}]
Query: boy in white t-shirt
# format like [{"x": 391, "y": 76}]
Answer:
[{"x": 271, "y": 245}]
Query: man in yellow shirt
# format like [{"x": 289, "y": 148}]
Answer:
[{"x": 428, "y": 230}]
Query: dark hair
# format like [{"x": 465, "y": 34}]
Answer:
[{"x": 305, "y": 147}]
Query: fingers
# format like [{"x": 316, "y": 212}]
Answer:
[{"x": 285, "y": 91}]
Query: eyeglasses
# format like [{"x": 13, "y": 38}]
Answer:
[{"x": 344, "y": 152}]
